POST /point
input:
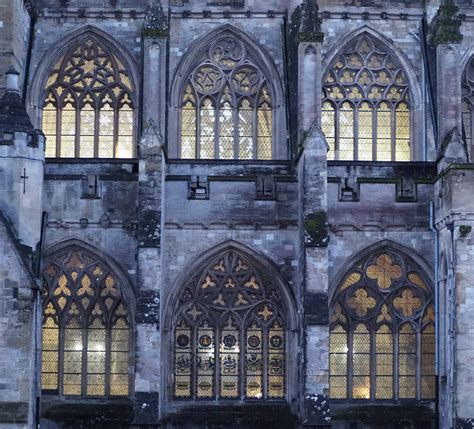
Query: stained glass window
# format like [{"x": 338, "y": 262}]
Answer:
[
  {"x": 229, "y": 335},
  {"x": 88, "y": 110},
  {"x": 86, "y": 328},
  {"x": 382, "y": 336},
  {"x": 226, "y": 106},
  {"x": 366, "y": 112}
]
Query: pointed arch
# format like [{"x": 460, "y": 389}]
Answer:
[
  {"x": 87, "y": 335},
  {"x": 231, "y": 320},
  {"x": 467, "y": 101},
  {"x": 381, "y": 73},
  {"x": 100, "y": 78},
  {"x": 382, "y": 327},
  {"x": 247, "y": 74}
]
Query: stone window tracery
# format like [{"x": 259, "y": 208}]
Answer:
[
  {"x": 86, "y": 333},
  {"x": 226, "y": 106},
  {"x": 366, "y": 110},
  {"x": 229, "y": 335},
  {"x": 88, "y": 109},
  {"x": 468, "y": 102},
  {"x": 382, "y": 332}
]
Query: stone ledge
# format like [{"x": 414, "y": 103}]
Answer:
[
  {"x": 91, "y": 411},
  {"x": 249, "y": 416}
]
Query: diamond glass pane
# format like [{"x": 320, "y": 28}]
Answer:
[
  {"x": 91, "y": 353},
  {"x": 276, "y": 362},
  {"x": 94, "y": 76},
  {"x": 125, "y": 132},
  {"x": 467, "y": 123},
  {"x": 328, "y": 127},
  {"x": 182, "y": 361},
  {"x": 384, "y": 133},
  {"x": 366, "y": 73},
  {"x": 207, "y": 129},
  {"x": 205, "y": 361},
  {"x": 361, "y": 364},
  {"x": 338, "y": 363},
  {"x": 106, "y": 132},
  {"x": 254, "y": 362},
  {"x": 68, "y": 131},
  {"x": 384, "y": 363},
  {"x": 402, "y": 132},
  {"x": 226, "y": 131},
  {"x": 264, "y": 132},
  {"x": 365, "y": 132},
  {"x": 407, "y": 362},
  {"x": 50, "y": 355},
  {"x": 86, "y": 138},
  {"x": 188, "y": 131},
  {"x": 346, "y": 132},
  {"x": 229, "y": 359},
  {"x": 49, "y": 129},
  {"x": 245, "y": 130},
  {"x": 428, "y": 372}
]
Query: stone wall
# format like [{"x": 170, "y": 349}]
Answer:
[{"x": 18, "y": 370}]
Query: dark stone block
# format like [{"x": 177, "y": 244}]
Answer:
[
  {"x": 97, "y": 413},
  {"x": 146, "y": 408},
  {"x": 233, "y": 417},
  {"x": 384, "y": 416},
  {"x": 317, "y": 411},
  {"x": 13, "y": 412},
  {"x": 148, "y": 307},
  {"x": 149, "y": 228},
  {"x": 316, "y": 308}
]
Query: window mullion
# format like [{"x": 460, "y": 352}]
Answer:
[
  {"x": 59, "y": 114},
  {"x": 61, "y": 357},
  {"x": 108, "y": 357},
  {"x": 96, "y": 130},
  {"x": 350, "y": 354},
  {"x": 393, "y": 128},
  {"x": 374, "y": 132},
  {"x": 115, "y": 131},
  {"x": 77, "y": 137},
  {"x": 85, "y": 347},
  {"x": 236, "y": 120},
  {"x": 198, "y": 130},
  {"x": 217, "y": 129},
  {"x": 356, "y": 132},
  {"x": 336, "y": 134},
  {"x": 255, "y": 131}
]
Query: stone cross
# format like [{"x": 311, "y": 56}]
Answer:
[{"x": 24, "y": 177}]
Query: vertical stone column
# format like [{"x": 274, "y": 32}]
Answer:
[
  {"x": 150, "y": 185},
  {"x": 447, "y": 38},
  {"x": 312, "y": 176}
]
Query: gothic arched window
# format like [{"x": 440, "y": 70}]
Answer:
[
  {"x": 382, "y": 332},
  {"x": 468, "y": 102},
  {"x": 88, "y": 108},
  {"x": 366, "y": 110},
  {"x": 86, "y": 334},
  {"x": 226, "y": 106},
  {"x": 229, "y": 335}
]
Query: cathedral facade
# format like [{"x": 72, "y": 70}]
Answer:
[{"x": 236, "y": 213}]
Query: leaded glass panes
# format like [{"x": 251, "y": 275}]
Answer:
[
  {"x": 86, "y": 332},
  {"x": 226, "y": 106},
  {"x": 382, "y": 331},
  {"x": 428, "y": 341},
  {"x": 229, "y": 335},
  {"x": 366, "y": 112},
  {"x": 89, "y": 89},
  {"x": 338, "y": 362},
  {"x": 467, "y": 103}
]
